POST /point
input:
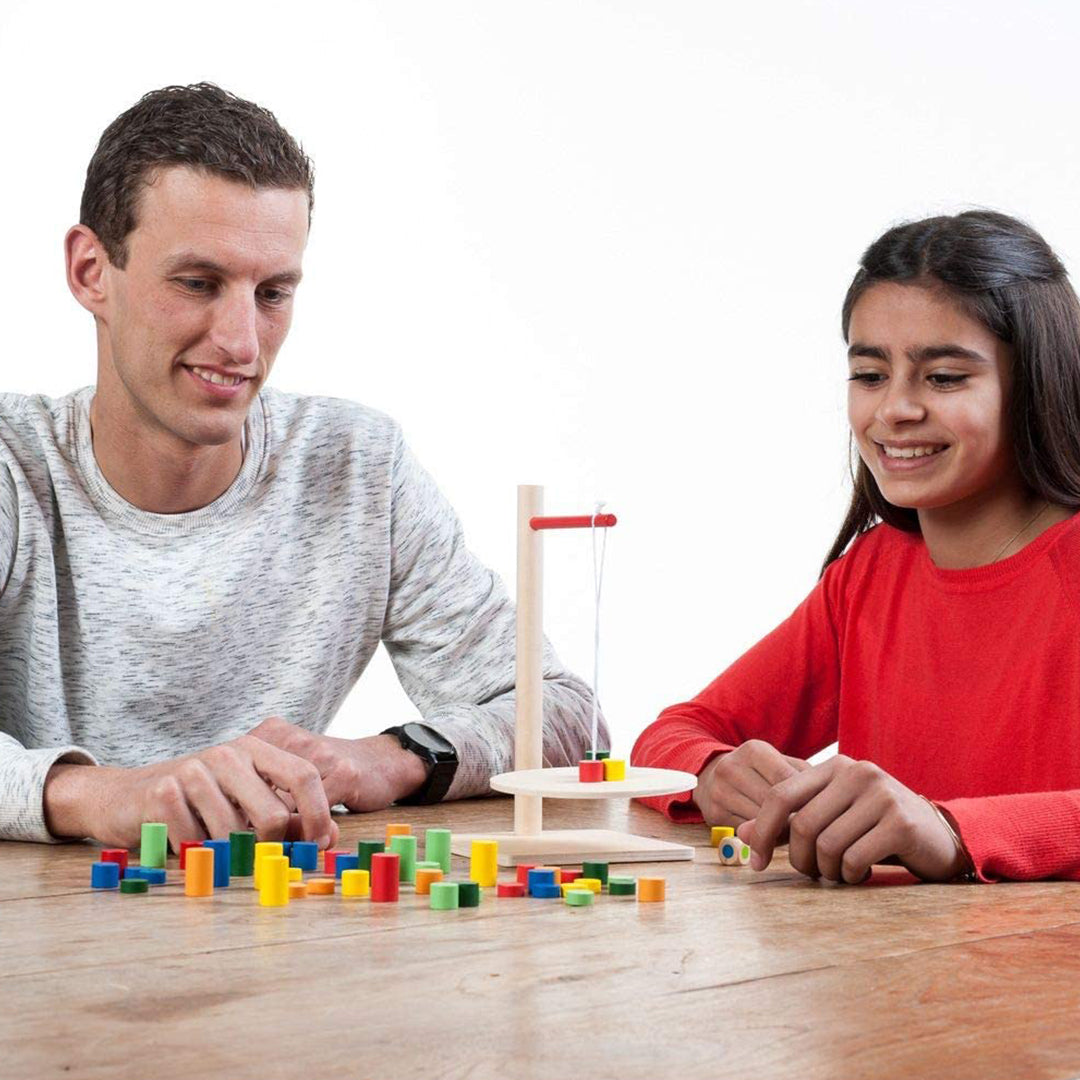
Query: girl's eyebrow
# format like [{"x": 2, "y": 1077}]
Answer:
[{"x": 919, "y": 354}]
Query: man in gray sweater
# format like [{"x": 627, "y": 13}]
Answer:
[{"x": 194, "y": 568}]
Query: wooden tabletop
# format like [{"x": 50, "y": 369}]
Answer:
[{"x": 737, "y": 975}]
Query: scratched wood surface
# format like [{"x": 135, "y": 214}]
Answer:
[{"x": 737, "y": 975}]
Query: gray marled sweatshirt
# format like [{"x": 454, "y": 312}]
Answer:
[{"x": 128, "y": 637}]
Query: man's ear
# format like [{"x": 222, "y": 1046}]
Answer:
[{"x": 87, "y": 267}]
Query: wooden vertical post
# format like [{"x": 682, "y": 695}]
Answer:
[{"x": 529, "y": 724}]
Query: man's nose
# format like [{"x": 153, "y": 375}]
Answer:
[{"x": 235, "y": 329}]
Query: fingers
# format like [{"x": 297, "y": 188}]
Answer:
[
  {"x": 872, "y": 847},
  {"x": 300, "y": 779},
  {"x": 829, "y": 847},
  {"x": 782, "y": 801},
  {"x": 206, "y": 799},
  {"x": 166, "y": 800}
]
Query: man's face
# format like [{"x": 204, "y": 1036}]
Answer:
[{"x": 207, "y": 294}]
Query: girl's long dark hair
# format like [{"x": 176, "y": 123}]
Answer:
[{"x": 1002, "y": 273}]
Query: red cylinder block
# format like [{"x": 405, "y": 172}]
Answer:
[
  {"x": 184, "y": 845},
  {"x": 329, "y": 859},
  {"x": 523, "y": 872},
  {"x": 590, "y": 772},
  {"x": 570, "y": 875},
  {"x": 510, "y": 888},
  {"x": 385, "y": 871},
  {"x": 116, "y": 855}
]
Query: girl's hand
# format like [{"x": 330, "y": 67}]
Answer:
[
  {"x": 733, "y": 786},
  {"x": 843, "y": 816}
]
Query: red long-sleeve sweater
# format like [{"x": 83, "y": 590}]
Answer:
[{"x": 962, "y": 684}]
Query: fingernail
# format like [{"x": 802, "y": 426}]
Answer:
[
  {"x": 757, "y": 862},
  {"x": 323, "y": 842}
]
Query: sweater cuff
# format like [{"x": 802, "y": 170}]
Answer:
[
  {"x": 481, "y": 752},
  {"x": 22, "y": 789},
  {"x": 681, "y": 807}
]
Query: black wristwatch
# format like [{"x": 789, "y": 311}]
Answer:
[{"x": 440, "y": 757}]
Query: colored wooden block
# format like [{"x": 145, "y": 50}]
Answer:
[
  {"x": 540, "y": 876},
  {"x": 569, "y": 874},
  {"x": 116, "y": 855},
  {"x": 578, "y": 897},
  {"x": 728, "y": 851},
  {"x": 556, "y": 870},
  {"x": 184, "y": 845},
  {"x": 651, "y": 890},
  {"x": 744, "y": 854},
  {"x": 523, "y": 872},
  {"x": 437, "y": 847},
  {"x": 134, "y": 885},
  {"x": 286, "y": 849},
  {"x": 590, "y": 772},
  {"x": 152, "y": 875},
  {"x": 428, "y": 864},
  {"x": 468, "y": 894},
  {"x": 483, "y": 862},
  {"x": 304, "y": 855},
  {"x": 320, "y": 887},
  {"x": 155, "y": 844},
  {"x": 404, "y": 846},
  {"x": 425, "y": 878},
  {"x": 297, "y": 889},
  {"x": 622, "y": 886},
  {"x": 385, "y": 877},
  {"x": 241, "y": 854},
  {"x": 397, "y": 828},
  {"x": 593, "y": 884},
  {"x": 444, "y": 896},
  {"x": 365, "y": 849},
  {"x": 273, "y": 881},
  {"x": 510, "y": 888},
  {"x": 329, "y": 859},
  {"x": 597, "y": 755},
  {"x": 199, "y": 872},
  {"x": 345, "y": 862},
  {"x": 546, "y": 891},
  {"x": 104, "y": 875},
  {"x": 264, "y": 849},
  {"x": 295, "y": 874},
  {"x": 355, "y": 882},
  {"x": 718, "y": 832},
  {"x": 615, "y": 769},
  {"x": 598, "y": 870},
  {"x": 222, "y": 861}
]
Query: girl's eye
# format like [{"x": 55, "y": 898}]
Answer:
[
  {"x": 871, "y": 378},
  {"x": 939, "y": 378}
]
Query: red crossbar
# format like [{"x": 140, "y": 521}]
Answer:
[{"x": 580, "y": 521}]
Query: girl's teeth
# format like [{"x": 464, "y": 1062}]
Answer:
[{"x": 911, "y": 451}]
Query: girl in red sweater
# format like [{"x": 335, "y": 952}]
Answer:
[{"x": 942, "y": 647}]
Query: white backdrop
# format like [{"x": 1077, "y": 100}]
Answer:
[{"x": 598, "y": 246}]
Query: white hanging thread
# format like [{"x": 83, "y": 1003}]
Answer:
[{"x": 598, "y": 584}]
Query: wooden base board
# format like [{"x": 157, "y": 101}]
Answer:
[{"x": 563, "y": 846}]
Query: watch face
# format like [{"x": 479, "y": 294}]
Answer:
[{"x": 427, "y": 738}]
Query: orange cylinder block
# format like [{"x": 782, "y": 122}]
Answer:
[{"x": 199, "y": 872}]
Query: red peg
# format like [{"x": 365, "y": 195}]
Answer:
[
  {"x": 574, "y": 521},
  {"x": 385, "y": 871},
  {"x": 116, "y": 855},
  {"x": 590, "y": 772}
]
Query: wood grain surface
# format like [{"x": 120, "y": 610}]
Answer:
[{"x": 737, "y": 975}]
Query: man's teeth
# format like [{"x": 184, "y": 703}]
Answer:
[
  {"x": 911, "y": 451},
  {"x": 214, "y": 377}
]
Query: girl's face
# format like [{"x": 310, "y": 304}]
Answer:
[{"x": 927, "y": 399}]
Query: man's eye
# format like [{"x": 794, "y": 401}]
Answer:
[
  {"x": 198, "y": 285},
  {"x": 275, "y": 296}
]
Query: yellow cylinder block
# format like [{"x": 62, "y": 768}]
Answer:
[
  {"x": 199, "y": 872},
  {"x": 274, "y": 881},
  {"x": 483, "y": 862},
  {"x": 263, "y": 848},
  {"x": 295, "y": 874},
  {"x": 718, "y": 833},
  {"x": 614, "y": 769},
  {"x": 593, "y": 883},
  {"x": 355, "y": 883}
]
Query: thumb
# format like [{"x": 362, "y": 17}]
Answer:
[{"x": 745, "y": 832}]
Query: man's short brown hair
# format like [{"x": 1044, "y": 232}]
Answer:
[{"x": 201, "y": 126}]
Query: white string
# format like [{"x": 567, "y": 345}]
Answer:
[{"x": 598, "y": 584}]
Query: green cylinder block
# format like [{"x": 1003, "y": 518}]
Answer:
[
  {"x": 444, "y": 895},
  {"x": 155, "y": 845},
  {"x": 469, "y": 893},
  {"x": 437, "y": 848},
  {"x": 578, "y": 897},
  {"x": 241, "y": 854},
  {"x": 134, "y": 885},
  {"x": 597, "y": 870},
  {"x": 622, "y": 886},
  {"x": 365, "y": 849},
  {"x": 405, "y": 847}
]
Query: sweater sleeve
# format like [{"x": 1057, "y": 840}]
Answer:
[
  {"x": 450, "y": 632},
  {"x": 1022, "y": 837},
  {"x": 23, "y": 770},
  {"x": 785, "y": 690}
]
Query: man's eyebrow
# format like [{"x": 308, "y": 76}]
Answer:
[
  {"x": 190, "y": 260},
  {"x": 921, "y": 354}
]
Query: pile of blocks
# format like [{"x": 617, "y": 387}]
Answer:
[
  {"x": 599, "y": 765},
  {"x": 376, "y": 871},
  {"x": 730, "y": 850}
]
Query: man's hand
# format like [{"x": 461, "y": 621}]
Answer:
[
  {"x": 733, "y": 786},
  {"x": 843, "y": 816},
  {"x": 362, "y": 774},
  {"x": 242, "y": 784}
]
